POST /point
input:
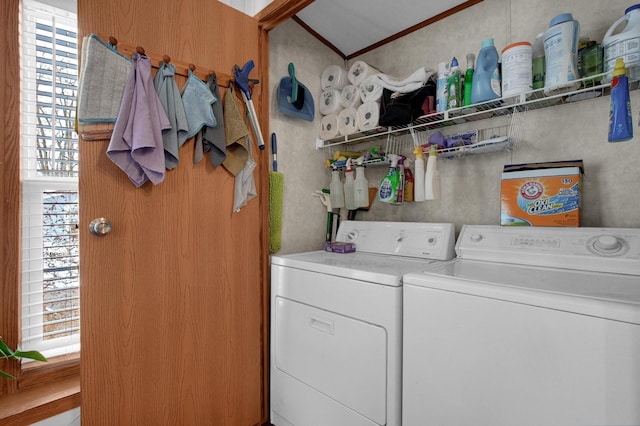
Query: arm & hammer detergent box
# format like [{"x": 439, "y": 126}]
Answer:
[{"x": 541, "y": 194}]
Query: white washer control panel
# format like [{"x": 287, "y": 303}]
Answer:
[
  {"x": 413, "y": 239},
  {"x": 592, "y": 249}
]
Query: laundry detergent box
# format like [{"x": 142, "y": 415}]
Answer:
[{"x": 541, "y": 194}]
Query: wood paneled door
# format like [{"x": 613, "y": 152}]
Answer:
[{"x": 172, "y": 300}]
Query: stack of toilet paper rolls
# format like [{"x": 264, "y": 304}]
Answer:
[{"x": 346, "y": 103}]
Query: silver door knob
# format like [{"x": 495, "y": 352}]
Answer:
[{"x": 100, "y": 226}]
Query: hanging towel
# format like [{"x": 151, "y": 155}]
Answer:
[
  {"x": 334, "y": 77},
  {"x": 103, "y": 75},
  {"x": 212, "y": 139},
  {"x": 368, "y": 116},
  {"x": 197, "y": 99},
  {"x": 347, "y": 121},
  {"x": 329, "y": 102},
  {"x": 359, "y": 71},
  {"x": 136, "y": 143},
  {"x": 350, "y": 96},
  {"x": 236, "y": 134},
  {"x": 169, "y": 94}
]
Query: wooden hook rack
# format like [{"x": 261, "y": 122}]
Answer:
[{"x": 182, "y": 68}]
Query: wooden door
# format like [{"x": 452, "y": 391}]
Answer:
[{"x": 173, "y": 314}]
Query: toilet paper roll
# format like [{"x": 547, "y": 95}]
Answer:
[
  {"x": 334, "y": 77},
  {"x": 329, "y": 126},
  {"x": 370, "y": 90},
  {"x": 359, "y": 71},
  {"x": 329, "y": 102},
  {"x": 368, "y": 115},
  {"x": 350, "y": 96},
  {"x": 347, "y": 121}
]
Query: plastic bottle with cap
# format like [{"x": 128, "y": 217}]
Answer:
[
  {"x": 361, "y": 185},
  {"x": 454, "y": 100},
  {"x": 620, "y": 120},
  {"x": 441, "y": 87},
  {"x": 418, "y": 185},
  {"x": 432, "y": 176},
  {"x": 349, "y": 189},
  {"x": 336, "y": 190},
  {"x": 537, "y": 62},
  {"x": 468, "y": 78},
  {"x": 486, "y": 83}
]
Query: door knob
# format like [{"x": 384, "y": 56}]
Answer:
[{"x": 100, "y": 226}]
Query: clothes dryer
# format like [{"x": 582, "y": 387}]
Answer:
[
  {"x": 527, "y": 326},
  {"x": 336, "y": 324}
]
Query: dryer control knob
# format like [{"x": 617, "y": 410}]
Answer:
[
  {"x": 607, "y": 243},
  {"x": 476, "y": 237}
]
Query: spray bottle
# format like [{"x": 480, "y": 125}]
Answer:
[
  {"x": 453, "y": 86},
  {"x": 361, "y": 185},
  {"x": 419, "y": 175},
  {"x": 620, "y": 121},
  {"x": 468, "y": 78},
  {"x": 432, "y": 176},
  {"x": 349, "y": 190},
  {"x": 401, "y": 180},
  {"x": 388, "y": 192},
  {"x": 441, "y": 87},
  {"x": 336, "y": 191}
]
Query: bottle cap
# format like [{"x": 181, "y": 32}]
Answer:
[
  {"x": 418, "y": 152},
  {"x": 563, "y": 17},
  {"x": 443, "y": 68},
  {"x": 619, "y": 69},
  {"x": 487, "y": 42},
  {"x": 454, "y": 62}
]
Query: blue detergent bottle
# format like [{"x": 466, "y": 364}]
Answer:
[
  {"x": 486, "y": 78},
  {"x": 620, "y": 120}
]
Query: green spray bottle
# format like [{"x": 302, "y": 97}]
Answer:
[{"x": 388, "y": 192}]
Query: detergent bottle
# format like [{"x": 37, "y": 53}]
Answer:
[
  {"x": 486, "y": 83},
  {"x": 336, "y": 190},
  {"x": 453, "y": 86},
  {"x": 349, "y": 188},
  {"x": 561, "y": 55},
  {"x": 418, "y": 186},
  {"x": 432, "y": 176},
  {"x": 361, "y": 185},
  {"x": 441, "y": 87},
  {"x": 388, "y": 192},
  {"x": 468, "y": 78},
  {"x": 625, "y": 44},
  {"x": 620, "y": 120}
]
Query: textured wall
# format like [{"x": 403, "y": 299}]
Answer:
[{"x": 471, "y": 186}]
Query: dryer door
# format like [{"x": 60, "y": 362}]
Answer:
[{"x": 338, "y": 356}]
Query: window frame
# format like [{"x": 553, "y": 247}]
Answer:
[{"x": 41, "y": 390}]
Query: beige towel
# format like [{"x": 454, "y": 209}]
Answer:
[{"x": 236, "y": 133}]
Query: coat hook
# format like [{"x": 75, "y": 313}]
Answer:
[
  {"x": 140, "y": 50},
  {"x": 192, "y": 67},
  {"x": 113, "y": 41},
  {"x": 166, "y": 59}
]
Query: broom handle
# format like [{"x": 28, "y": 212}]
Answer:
[{"x": 274, "y": 152}]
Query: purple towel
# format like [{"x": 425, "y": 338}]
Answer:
[{"x": 136, "y": 143}]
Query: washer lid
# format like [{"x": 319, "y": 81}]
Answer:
[
  {"x": 375, "y": 268},
  {"x": 605, "y": 295}
]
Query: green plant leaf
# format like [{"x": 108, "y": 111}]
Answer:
[
  {"x": 6, "y": 375},
  {"x": 5, "y": 350},
  {"x": 31, "y": 355}
]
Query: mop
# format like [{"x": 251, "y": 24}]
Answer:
[{"x": 276, "y": 181}]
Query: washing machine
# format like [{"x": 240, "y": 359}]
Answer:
[
  {"x": 527, "y": 326},
  {"x": 336, "y": 324}
]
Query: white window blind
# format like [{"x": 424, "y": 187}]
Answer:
[{"x": 50, "y": 250}]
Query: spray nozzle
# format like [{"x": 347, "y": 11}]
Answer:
[
  {"x": 360, "y": 161},
  {"x": 419, "y": 153},
  {"x": 433, "y": 151},
  {"x": 348, "y": 165}
]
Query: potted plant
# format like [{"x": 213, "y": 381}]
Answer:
[{"x": 7, "y": 353}]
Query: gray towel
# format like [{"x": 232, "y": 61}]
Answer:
[{"x": 212, "y": 139}]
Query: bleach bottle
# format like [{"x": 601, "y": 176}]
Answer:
[
  {"x": 486, "y": 83},
  {"x": 625, "y": 44},
  {"x": 561, "y": 55}
]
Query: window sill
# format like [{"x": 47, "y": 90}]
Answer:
[{"x": 39, "y": 402}]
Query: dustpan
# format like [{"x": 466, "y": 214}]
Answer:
[{"x": 289, "y": 104}]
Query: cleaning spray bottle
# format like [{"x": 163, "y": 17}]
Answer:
[
  {"x": 409, "y": 181},
  {"x": 468, "y": 78},
  {"x": 441, "y": 87},
  {"x": 432, "y": 176},
  {"x": 418, "y": 188},
  {"x": 388, "y": 192},
  {"x": 620, "y": 120},
  {"x": 336, "y": 191},
  {"x": 401, "y": 181},
  {"x": 453, "y": 86},
  {"x": 349, "y": 188},
  {"x": 361, "y": 185}
]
